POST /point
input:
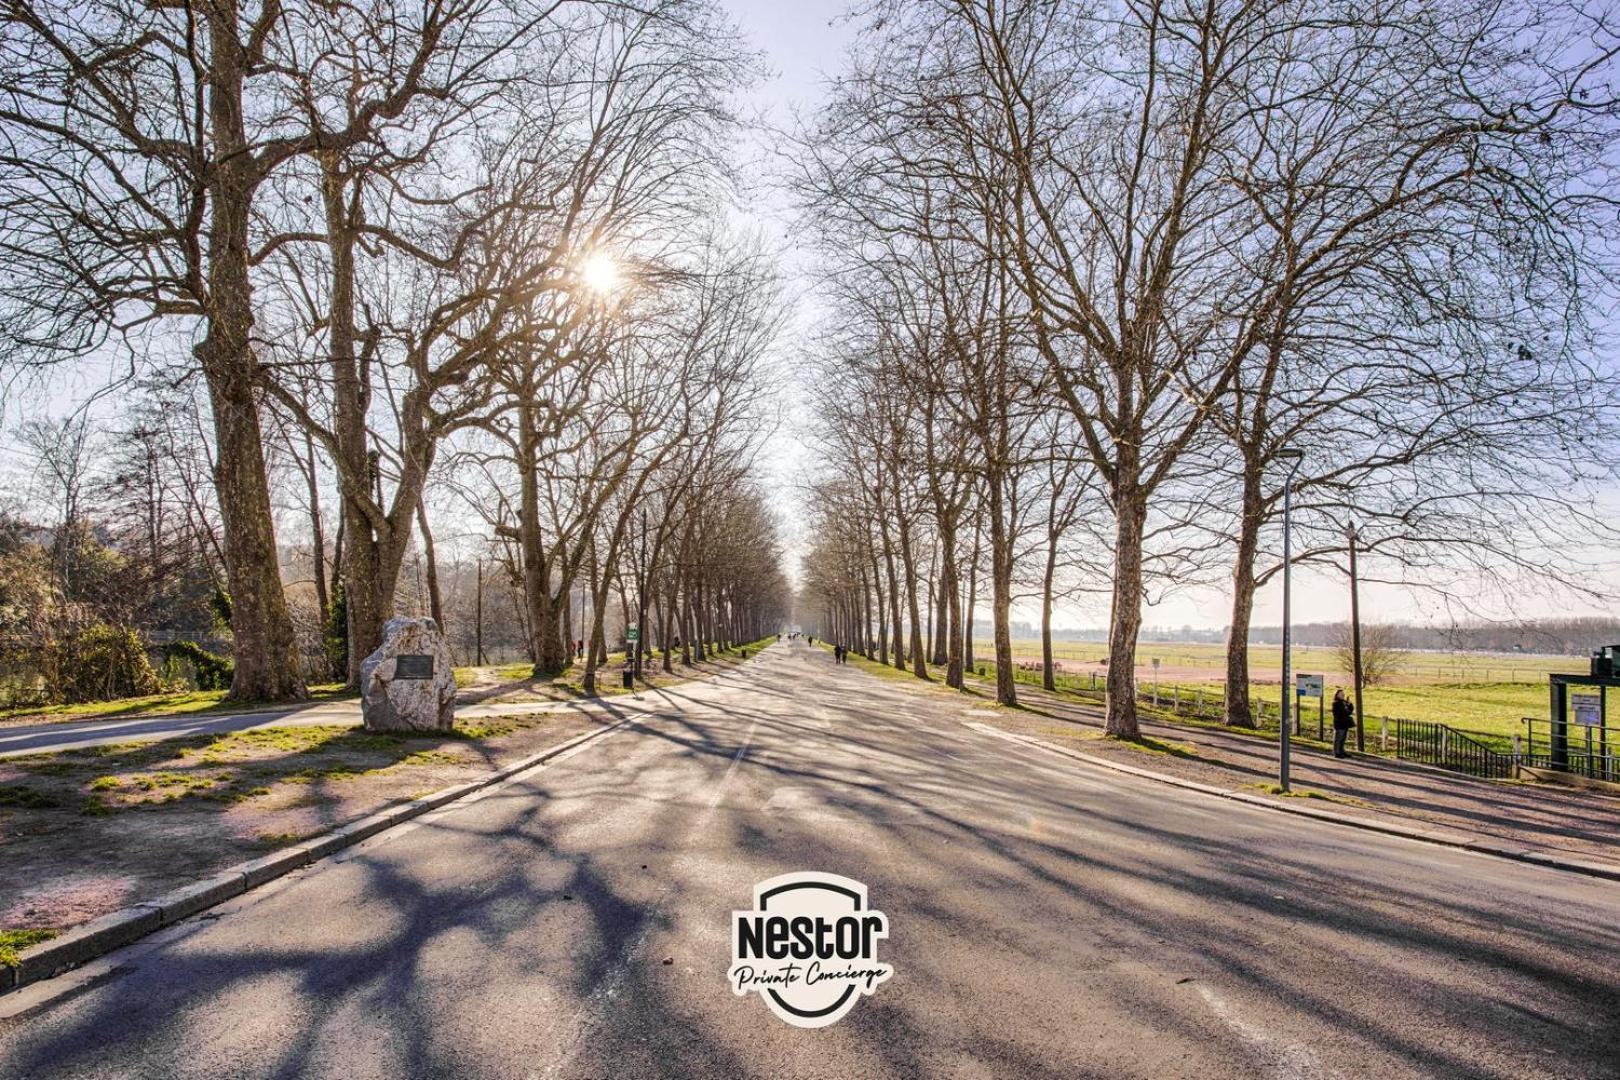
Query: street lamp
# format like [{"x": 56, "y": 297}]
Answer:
[{"x": 1292, "y": 459}]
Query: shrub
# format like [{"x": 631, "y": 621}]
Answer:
[
  {"x": 213, "y": 671},
  {"x": 97, "y": 663},
  {"x": 219, "y": 605},
  {"x": 335, "y": 633}
]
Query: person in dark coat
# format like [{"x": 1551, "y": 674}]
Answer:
[{"x": 1344, "y": 718}]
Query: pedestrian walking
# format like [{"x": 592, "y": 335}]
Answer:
[{"x": 1344, "y": 718}]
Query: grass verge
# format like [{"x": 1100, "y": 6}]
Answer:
[{"x": 12, "y": 941}]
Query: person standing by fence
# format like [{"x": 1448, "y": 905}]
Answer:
[{"x": 1344, "y": 718}]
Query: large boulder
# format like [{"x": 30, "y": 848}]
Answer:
[{"x": 408, "y": 684}]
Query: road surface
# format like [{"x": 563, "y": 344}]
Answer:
[{"x": 1045, "y": 920}]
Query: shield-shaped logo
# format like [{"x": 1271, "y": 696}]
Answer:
[{"x": 809, "y": 947}]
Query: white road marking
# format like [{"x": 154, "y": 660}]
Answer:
[
  {"x": 720, "y": 792},
  {"x": 1285, "y": 1059}
]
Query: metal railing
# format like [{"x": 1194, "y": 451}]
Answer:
[
  {"x": 1595, "y": 759},
  {"x": 1444, "y": 746}
]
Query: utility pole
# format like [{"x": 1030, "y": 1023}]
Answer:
[{"x": 1355, "y": 640}]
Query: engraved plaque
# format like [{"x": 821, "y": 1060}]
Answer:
[{"x": 413, "y": 666}]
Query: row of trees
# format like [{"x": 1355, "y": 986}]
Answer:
[
  {"x": 467, "y": 245},
  {"x": 1101, "y": 273}
]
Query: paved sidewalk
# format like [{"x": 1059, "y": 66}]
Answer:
[
  {"x": 1533, "y": 817},
  {"x": 497, "y": 699},
  {"x": 45, "y": 738}
]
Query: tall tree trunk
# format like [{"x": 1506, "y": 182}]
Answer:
[
  {"x": 941, "y": 602},
  {"x": 882, "y": 612},
  {"x": 666, "y": 613},
  {"x": 596, "y": 651},
  {"x": 368, "y": 586},
  {"x": 1001, "y": 560},
  {"x": 595, "y": 645},
  {"x": 1238, "y": 712},
  {"x": 1048, "y": 677},
  {"x": 686, "y": 623},
  {"x": 1125, "y": 613},
  {"x": 546, "y": 646},
  {"x": 865, "y": 645},
  {"x": 317, "y": 534},
  {"x": 266, "y": 649},
  {"x": 919, "y": 666},
  {"x": 953, "y": 610},
  {"x": 972, "y": 602},
  {"x": 894, "y": 610},
  {"x": 435, "y": 601},
  {"x": 948, "y": 646}
]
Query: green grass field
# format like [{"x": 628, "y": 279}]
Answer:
[
  {"x": 1480, "y": 693},
  {"x": 1416, "y": 667}
]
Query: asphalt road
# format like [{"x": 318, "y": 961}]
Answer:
[{"x": 1045, "y": 920}]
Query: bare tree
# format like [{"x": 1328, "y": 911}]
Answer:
[
  {"x": 1381, "y": 655},
  {"x": 139, "y": 143}
]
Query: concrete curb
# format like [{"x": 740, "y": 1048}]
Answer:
[
  {"x": 1439, "y": 836},
  {"x": 119, "y": 928}
]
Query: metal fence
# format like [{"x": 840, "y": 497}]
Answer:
[
  {"x": 1595, "y": 759},
  {"x": 1444, "y": 746}
]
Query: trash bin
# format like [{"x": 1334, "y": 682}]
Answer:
[{"x": 629, "y": 678}]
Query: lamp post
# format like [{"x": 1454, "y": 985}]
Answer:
[
  {"x": 1355, "y": 641},
  {"x": 1292, "y": 458}
]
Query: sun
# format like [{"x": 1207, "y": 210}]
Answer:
[{"x": 600, "y": 273}]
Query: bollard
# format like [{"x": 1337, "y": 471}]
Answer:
[
  {"x": 1178, "y": 699},
  {"x": 1200, "y": 705},
  {"x": 1383, "y": 735}
]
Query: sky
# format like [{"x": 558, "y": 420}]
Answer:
[{"x": 804, "y": 43}]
